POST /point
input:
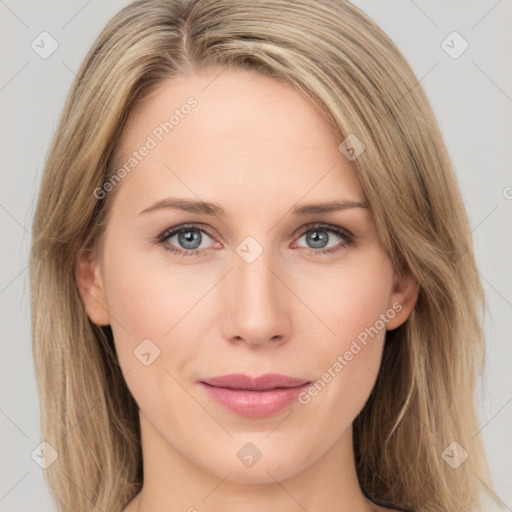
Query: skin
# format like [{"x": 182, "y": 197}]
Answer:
[{"x": 258, "y": 148}]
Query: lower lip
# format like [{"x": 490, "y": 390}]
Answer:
[{"x": 254, "y": 404}]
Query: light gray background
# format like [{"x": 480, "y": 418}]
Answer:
[{"x": 471, "y": 96}]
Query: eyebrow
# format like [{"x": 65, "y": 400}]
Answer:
[{"x": 208, "y": 208}]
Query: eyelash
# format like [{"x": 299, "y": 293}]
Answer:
[{"x": 349, "y": 238}]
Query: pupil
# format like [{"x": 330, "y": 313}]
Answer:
[
  {"x": 189, "y": 237},
  {"x": 318, "y": 238}
]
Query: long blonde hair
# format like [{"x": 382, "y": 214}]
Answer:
[{"x": 333, "y": 53}]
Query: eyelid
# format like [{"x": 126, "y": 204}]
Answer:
[
  {"x": 179, "y": 227},
  {"x": 322, "y": 225},
  {"x": 182, "y": 227}
]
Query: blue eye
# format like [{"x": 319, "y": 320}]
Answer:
[
  {"x": 320, "y": 235},
  {"x": 190, "y": 237}
]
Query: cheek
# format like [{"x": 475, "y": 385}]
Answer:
[
  {"x": 148, "y": 300},
  {"x": 346, "y": 357},
  {"x": 349, "y": 300},
  {"x": 148, "y": 306}
]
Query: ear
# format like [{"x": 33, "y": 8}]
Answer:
[
  {"x": 90, "y": 286},
  {"x": 402, "y": 299}
]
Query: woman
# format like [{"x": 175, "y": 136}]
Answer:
[{"x": 252, "y": 277}]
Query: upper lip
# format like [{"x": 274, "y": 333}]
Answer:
[{"x": 248, "y": 382}]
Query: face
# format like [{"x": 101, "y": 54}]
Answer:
[{"x": 256, "y": 284}]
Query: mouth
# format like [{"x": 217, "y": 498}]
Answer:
[{"x": 254, "y": 397}]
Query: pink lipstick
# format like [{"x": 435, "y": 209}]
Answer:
[{"x": 254, "y": 397}]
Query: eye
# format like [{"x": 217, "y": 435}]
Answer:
[
  {"x": 188, "y": 240},
  {"x": 319, "y": 236}
]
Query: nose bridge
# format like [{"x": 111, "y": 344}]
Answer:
[
  {"x": 255, "y": 283},
  {"x": 257, "y": 308}
]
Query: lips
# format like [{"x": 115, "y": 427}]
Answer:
[
  {"x": 254, "y": 396},
  {"x": 262, "y": 383}
]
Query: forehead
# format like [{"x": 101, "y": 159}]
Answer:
[{"x": 234, "y": 133}]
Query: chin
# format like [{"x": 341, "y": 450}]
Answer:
[{"x": 263, "y": 461}]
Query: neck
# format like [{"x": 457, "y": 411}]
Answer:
[{"x": 173, "y": 482}]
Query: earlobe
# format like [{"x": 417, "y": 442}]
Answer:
[
  {"x": 402, "y": 299},
  {"x": 90, "y": 286}
]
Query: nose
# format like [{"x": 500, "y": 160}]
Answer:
[{"x": 258, "y": 305}]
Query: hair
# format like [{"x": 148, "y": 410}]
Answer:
[{"x": 355, "y": 76}]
